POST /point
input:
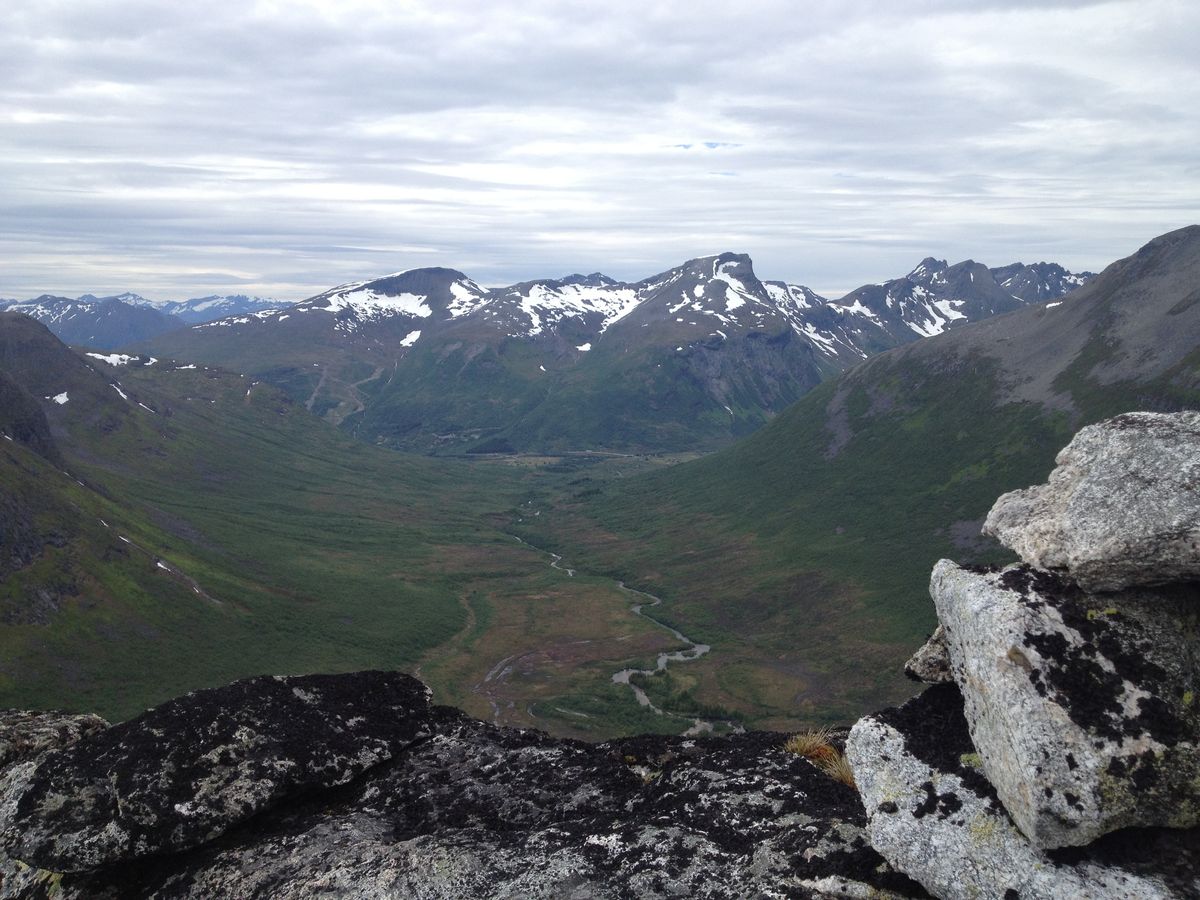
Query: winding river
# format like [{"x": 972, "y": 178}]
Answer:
[{"x": 643, "y": 601}]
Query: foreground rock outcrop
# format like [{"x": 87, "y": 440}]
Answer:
[
  {"x": 358, "y": 787},
  {"x": 188, "y": 770},
  {"x": 1121, "y": 508},
  {"x": 1082, "y": 707},
  {"x": 934, "y": 814},
  {"x": 1069, "y": 729}
]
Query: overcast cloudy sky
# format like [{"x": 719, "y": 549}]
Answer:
[{"x": 281, "y": 147}]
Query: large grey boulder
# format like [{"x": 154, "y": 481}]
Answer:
[
  {"x": 933, "y": 815},
  {"x": 1083, "y": 708},
  {"x": 185, "y": 772},
  {"x": 1121, "y": 508}
]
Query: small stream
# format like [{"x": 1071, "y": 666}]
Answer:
[{"x": 693, "y": 651}]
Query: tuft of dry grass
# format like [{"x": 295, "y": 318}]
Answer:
[
  {"x": 838, "y": 768},
  {"x": 813, "y": 744}
]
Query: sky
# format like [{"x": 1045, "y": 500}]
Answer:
[{"x": 279, "y": 148}]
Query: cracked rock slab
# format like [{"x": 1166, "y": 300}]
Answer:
[
  {"x": 933, "y": 816},
  {"x": 1122, "y": 507},
  {"x": 1083, "y": 707},
  {"x": 186, "y": 771}
]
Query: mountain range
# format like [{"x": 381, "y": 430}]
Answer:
[
  {"x": 690, "y": 358},
  {"x": 107, "y": 323}
]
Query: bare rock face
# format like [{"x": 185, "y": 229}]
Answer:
[
  {"x": 1122, "y": 507},
  {"x": 1083, "y": 708},
  {"x": 931, "y": 664},
  {"x": 187, "y": 771},
  {"x": 933, "y": 815}
]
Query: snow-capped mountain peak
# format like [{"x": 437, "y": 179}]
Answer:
[{"x": 413, "y": 294}]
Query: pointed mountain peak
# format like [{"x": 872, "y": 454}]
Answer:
[{"x": 927, "y": 268}]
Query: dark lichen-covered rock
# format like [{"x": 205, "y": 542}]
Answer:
[
  {"x": 931, "y": 664},
  {"x": 24, "y": 737},
  {"x": 934, "y": 816},
  {"x": 1083, "y": 708},
  {"x": 1122, "y": 508},
  {"x": 482, "y": 811},
  {"x": 184, "y": 772}
]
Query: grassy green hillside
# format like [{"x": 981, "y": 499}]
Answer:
[
  {"x": 195, "y": 527},
  {"x": 311, "y": 552}
]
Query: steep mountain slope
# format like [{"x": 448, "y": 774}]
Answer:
[
  {"x": 802, "y": 553},
  {"x": 163, "y": 528},
  {"x": 104, "y": 324},
  {"x": 688, "y": 359},
  {"x": 427, "y": 359}
]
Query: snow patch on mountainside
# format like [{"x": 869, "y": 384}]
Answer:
[
  {"x": 121, "y": 359},
  {"x": 545, "y": 304},
  {"x": 368, "y": 304},
  {"x": 466, "y": 297}
]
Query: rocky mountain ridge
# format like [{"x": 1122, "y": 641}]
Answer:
[
  {"x": 723, "y": 289},
  {"x": 686, "y": 359},
  {"x": 1058, "y": 741},
  {"x": 106, "y": 323}
]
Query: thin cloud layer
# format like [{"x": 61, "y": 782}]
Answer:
[{"x": 278, "y": 148}]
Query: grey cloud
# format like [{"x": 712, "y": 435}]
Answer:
[{"x": 161, "y": 147}]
